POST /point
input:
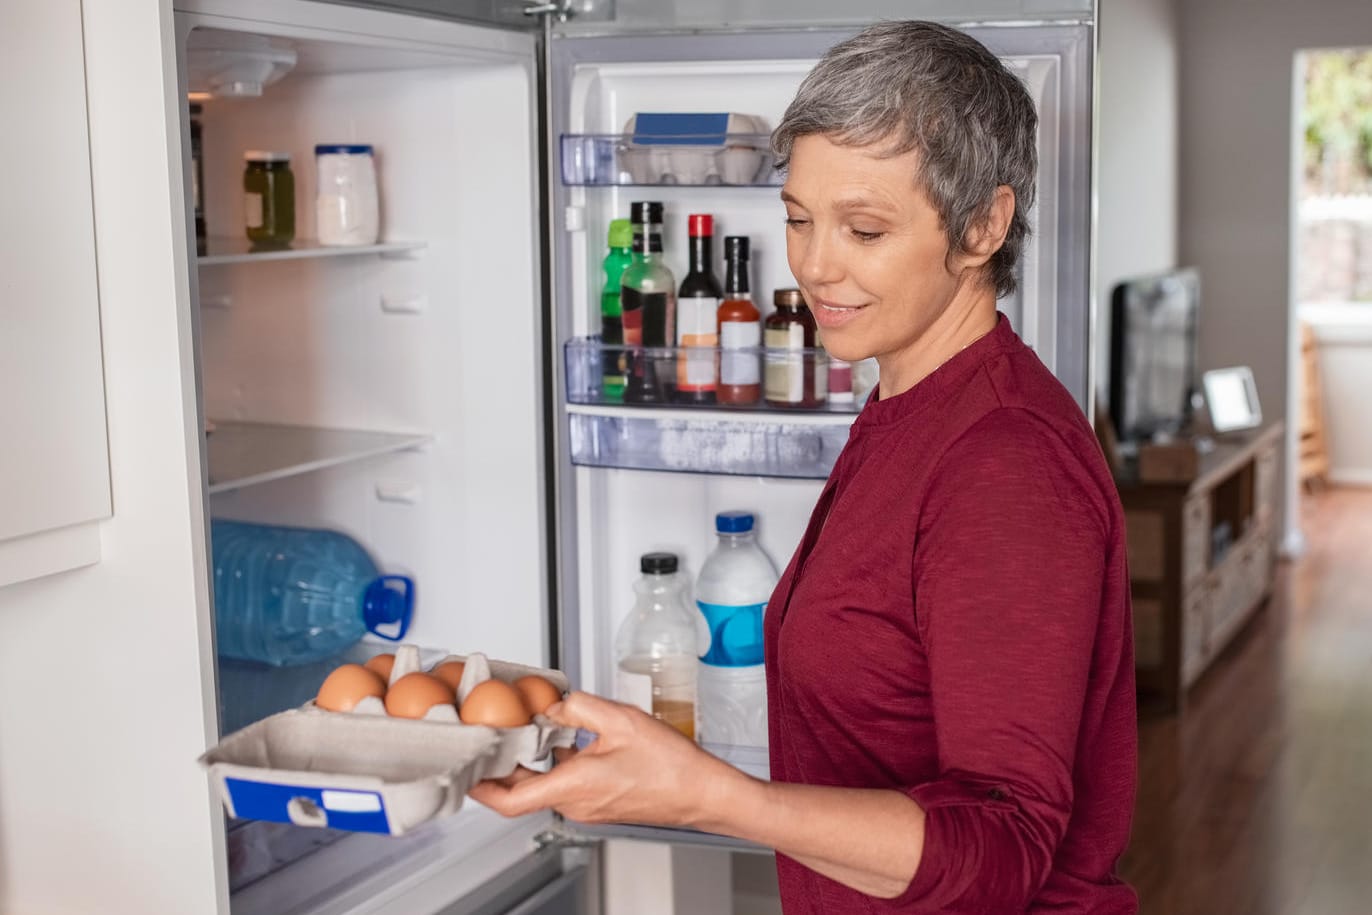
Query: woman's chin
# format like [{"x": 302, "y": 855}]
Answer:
[{"x": 845, "y": 347}]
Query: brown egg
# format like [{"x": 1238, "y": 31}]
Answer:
[
  {"x": 450, "y": 672},
  {"x": 414, "y": 694},
  {"x": 347, "y": 686},
  {"x": 383, "y": 664},
  {"x": 538, "y": 693},
  {"x": 496, "y": 704}
]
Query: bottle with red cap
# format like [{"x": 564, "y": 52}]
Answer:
[{"x": 696, "y": 305}]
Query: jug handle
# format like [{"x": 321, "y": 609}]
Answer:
[{"x": 389, "y": 600}]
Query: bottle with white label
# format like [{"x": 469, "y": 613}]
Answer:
[
  {"x": 731, "y": 594},
  {"x": 657, "y": 647},
  {"x": 797, "y": 372},
  {"x": 740, "y": 330},
  {"x": 696, "y": 304}
]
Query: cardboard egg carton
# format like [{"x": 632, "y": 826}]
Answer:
[{"x": 367, "y": 771}]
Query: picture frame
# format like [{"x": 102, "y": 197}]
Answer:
[{"x": 1231, "y": 398}]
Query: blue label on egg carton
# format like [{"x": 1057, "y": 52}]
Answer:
[
  {"x": 681, "y": 129},
  {"x": 356, "y": 811}
]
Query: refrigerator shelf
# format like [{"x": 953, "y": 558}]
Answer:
[
  {"x": 242, "y": 454},
  {"x": 220, "y": 250},
  {"x": 636, "y": 160}
]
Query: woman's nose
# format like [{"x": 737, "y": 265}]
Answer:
[{"x": 819, "y": 261}]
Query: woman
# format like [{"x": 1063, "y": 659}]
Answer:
[{"x": 949, "y": 664}]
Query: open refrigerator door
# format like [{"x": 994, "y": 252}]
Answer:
[{"x": 640, "y": 477}]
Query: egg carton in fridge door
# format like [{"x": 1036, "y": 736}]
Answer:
[
  {"x": 519, "y": 746},
  {"x": 355, "y": 772}
]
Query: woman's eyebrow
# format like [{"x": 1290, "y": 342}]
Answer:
[
  {"x": 864, "y": 203},
  {"x": 846, "y": 203}
]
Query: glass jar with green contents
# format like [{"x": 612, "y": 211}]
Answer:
[{"x": 268, "y": 198}]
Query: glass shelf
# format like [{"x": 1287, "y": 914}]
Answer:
[
  {"x": 636, "y": 160},
  {"x": 242, "y": 454},
  {"x": 220, "y": 250},
  {"x": 647, "y": 427},
  {"x": 653, "y": 375}
]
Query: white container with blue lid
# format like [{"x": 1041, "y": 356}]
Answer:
[{"x": 347, "y": 207}]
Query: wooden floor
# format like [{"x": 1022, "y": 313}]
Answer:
[{"x": 1257, "y": 800}]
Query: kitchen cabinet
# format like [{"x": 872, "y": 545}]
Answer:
[{"x": 54, "y": 467}]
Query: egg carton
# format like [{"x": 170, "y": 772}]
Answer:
[
  {"x": 366, "y": 771},
  {"x": 521, "y": 746}
]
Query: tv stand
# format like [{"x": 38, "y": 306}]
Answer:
[{"x": 1201, "y": 558}]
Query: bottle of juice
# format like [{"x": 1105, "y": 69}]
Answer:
[
  {"x": 795, "y": 378},
  {"x": 740, "y": 330},
  {"x": 696, "y": 305},
  {"x": 621, "y": 239},
  {"x": 648, "y": 297},
  {"x": 657, "y": 647}
]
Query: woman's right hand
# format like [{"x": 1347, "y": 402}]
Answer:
[{"x": 637, "y": 770}]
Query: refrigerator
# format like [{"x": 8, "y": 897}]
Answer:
[{"x": 421, "y": 395}]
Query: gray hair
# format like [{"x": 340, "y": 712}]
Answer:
[{"x": 933, "y": 89}]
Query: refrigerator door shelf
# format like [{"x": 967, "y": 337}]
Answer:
[
  {"x": 799, "y": 446},
  {"x": 596, "y": 375},
  {"x": 603, "y": 160}
]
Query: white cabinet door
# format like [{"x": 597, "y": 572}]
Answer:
[{"x": 54, "y": 463}]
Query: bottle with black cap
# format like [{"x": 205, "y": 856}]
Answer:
[
  {"x": 657, "y": 647},
  {"x": 648, "y": 301},
  {"x": 740, "y": 330}
]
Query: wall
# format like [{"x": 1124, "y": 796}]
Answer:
[
  {"x": 104, "y": 671},
  {"x": 1236, "y": 64},
  {"x": 1136, "y": 191}
]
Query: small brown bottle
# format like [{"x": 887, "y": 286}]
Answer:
[{"x": 797, "y": 374}]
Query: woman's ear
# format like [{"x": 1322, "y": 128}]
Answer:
[{"x": 984, "y": 238}]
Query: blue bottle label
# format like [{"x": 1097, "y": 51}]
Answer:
[{"x": 735, "y": 634}]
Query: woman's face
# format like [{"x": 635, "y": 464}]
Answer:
[{"x": 868, "y": 251}]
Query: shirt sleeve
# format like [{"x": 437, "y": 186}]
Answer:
[{"x": 1008, "y": 568}]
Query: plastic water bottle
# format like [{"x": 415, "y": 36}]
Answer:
[
  {"x": 732, "y": 592},
  {"x": 289, "y": 595},
  {"x": 657, "y": 645}
]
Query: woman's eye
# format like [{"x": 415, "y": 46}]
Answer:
[
  {"x": 796, "y": 223},
  {"x": 867, "y": 236}
]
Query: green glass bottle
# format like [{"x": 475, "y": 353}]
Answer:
[{"x": 621, "y": 239}]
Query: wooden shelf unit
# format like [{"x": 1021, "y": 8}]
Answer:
[{"x": 1201, "y": 559}]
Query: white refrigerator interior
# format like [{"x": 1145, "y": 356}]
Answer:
[{"x": 391, "y": 392}]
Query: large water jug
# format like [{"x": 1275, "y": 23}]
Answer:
[
  {"x": 732, "y": 591},
  {"x": 289, "y": 595}
]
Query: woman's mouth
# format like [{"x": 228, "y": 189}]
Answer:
[{"x": 834, "y": 314}]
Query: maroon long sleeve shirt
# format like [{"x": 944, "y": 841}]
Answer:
[{"x": 955, "y": 625}]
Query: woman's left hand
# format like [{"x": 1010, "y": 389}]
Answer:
[{"x": 637, "y": 770}]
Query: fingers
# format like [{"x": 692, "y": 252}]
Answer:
[
  {"x": 524, "y": 791},
  {"x": 589, "y": 712}
]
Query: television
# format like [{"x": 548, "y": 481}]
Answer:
[{"x": 1153, "y": 375}]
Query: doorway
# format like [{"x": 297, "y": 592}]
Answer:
[{"x": 1330, "y": 355}]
